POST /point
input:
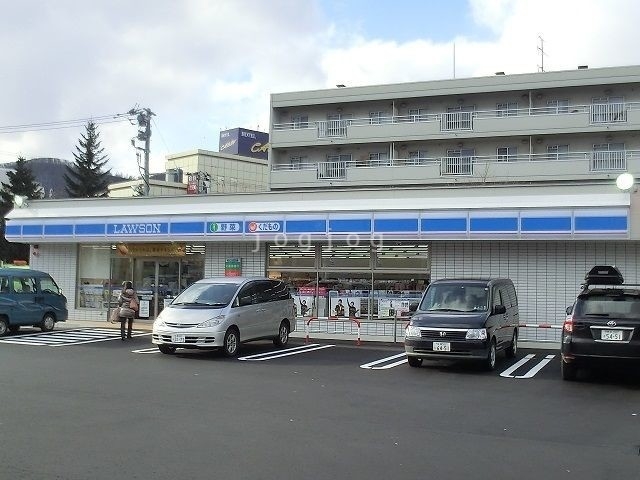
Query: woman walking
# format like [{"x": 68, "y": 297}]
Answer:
[{"x": 128, "y": 302}]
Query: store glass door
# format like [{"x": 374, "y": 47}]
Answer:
[{"x": 157, "y": 282}]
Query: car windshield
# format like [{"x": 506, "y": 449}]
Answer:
[
  {"x": 618, "y": 306},
  {"x": 445, "y": 297},
  {"x": 209, "y": 294}
]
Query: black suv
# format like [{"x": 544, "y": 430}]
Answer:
[{"x": 603, "y": 323}]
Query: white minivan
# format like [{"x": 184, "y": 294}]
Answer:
[{"x": 220, "y": 313}]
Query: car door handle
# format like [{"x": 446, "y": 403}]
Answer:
[{"x": 261, "y": 310}]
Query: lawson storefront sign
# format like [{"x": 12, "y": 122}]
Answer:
[{"x": 511, "y": 224}]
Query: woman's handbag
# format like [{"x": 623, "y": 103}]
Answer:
[
  {"x": 134, "y": 305},
  {"x": 115, "y": 315}
]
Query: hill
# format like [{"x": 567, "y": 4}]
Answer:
[{"x": 49, "y": 172}]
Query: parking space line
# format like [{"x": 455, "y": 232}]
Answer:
[
  {"x": 146, "y": 350},
  {"x": 517, "y": 365},
  {"x": 537, "y": 368},
  {"x": 508, "y": 373},
  {"x": 63, "y": 338},
  {"x": 371, "y": 365},
  {"x": 284, "y": 353}
]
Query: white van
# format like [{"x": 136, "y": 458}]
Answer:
[{"x": 223, "y": 312}]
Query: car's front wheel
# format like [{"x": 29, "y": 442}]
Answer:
[
  {"x": 48, "y": 322},
  {"x": 414, "y": 362},
  {"x": 490, "y": 362},
  {"x": 4, "y": 327},
  {"x": 231, "y": 342},
  {"x": 167, "y": 349},
  {"x": 283, "y": 335},
  {"x": 512, "y": 349}
]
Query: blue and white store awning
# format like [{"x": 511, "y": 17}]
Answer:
[{"x": 504, "y": 213}]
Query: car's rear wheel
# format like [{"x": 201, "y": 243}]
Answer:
[
  {"x": 231, "y": 342},
  {"x": 512, "y": 349},
  {"x": 283, "y": 335},
  {"x": 569, "y": 370},
  {"x": 414, "y": 362},
  {"x": 48, "y": 322},
  {"x": 490, "y": 362},
  {"x": 4, "y": 327},
  {"x": 168, "y": 349}
]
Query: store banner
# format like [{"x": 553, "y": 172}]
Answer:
[{"x": 152, "y": 249}]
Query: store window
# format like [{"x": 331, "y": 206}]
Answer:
[
  {"x": 359, "y": 281},
  {"x": 157, "y": 269}
]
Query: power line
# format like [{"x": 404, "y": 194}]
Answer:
[
  {"x": 155, "y": 124},
  {"x": 57, "y": 125}
]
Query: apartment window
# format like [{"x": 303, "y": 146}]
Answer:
[
  {"x": 508, "y": 109},
  {"x": 608, "y": 110},
  {"x": 417, "y": 157},
  {"x": 557, "y": 106},
  {"x": 334, "y": 167},
  {"x": 458, "y": 162},
  {"x": 378, "y": 159},
  {"x": 458, "y": 118},
  {"x": 557, "y": 152},
  {"x": 507, "y": 154},
  {"x": 300, "y": 121},
  {"x": 417, "y": 114},
  {"x": 297, "y": 162},
  {"x": 336, "y": 126},
  {"x": 376, "y": 117},
  {"x": 608, "y": 156}
]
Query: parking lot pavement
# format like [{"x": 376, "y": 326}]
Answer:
[{"x": 323, "y": 409}]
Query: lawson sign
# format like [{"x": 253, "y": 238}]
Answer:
[{"x": 141, "y": 228}]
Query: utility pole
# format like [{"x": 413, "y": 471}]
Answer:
[{"x": 144, "y": 135}]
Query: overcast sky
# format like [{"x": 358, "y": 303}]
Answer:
[{"x": 207, "y": 65}]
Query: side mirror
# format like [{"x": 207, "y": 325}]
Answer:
[
  {"x": 569, "y": 309},
  {"x": 413, "y": 307},
  {"x": 244, "y": 301},
  {"x": 499, "y": 309}
]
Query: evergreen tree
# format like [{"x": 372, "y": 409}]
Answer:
[
  {"x": 21, "y": 182},
  {"x": 86, "y": 177}
]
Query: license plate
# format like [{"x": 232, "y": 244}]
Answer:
[
  {"x": 611, "y": 335},
  {"x": 441, "y": 347},
  {"x": 177, "y": 338}
]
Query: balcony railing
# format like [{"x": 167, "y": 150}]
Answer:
[
  {"x": 464, "y": 121},
  {"x": 613, "y": 161}
]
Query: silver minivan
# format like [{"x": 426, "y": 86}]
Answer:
[{"x": 221, "y": 313}]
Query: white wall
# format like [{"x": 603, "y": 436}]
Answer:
[
  {"x": 547, "y": 274},
  {"x": 253, "y": 258}
]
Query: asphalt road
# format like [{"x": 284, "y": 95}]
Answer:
[{"x": 109, "y": 409}]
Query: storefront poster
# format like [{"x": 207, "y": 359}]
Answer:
[
  {"x": 345, "y": 306},
  {"x": 233, "y": 267},
  {"x": 304, "y": 305},
  {"x": 144, "y": 309}
]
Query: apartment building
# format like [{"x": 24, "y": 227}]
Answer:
[{"x": 570, "y": 126}]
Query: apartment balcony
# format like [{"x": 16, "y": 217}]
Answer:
[
  {"x": 477, "y": 124},
  {"x": 581, "y": 166}
]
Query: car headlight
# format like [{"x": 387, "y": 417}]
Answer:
[
  {"x": 212, "y": 322},
  {"x": 412, "y": 331},
  {"x": 159, "y": 323},
  {"x": 477, "y": 334}
]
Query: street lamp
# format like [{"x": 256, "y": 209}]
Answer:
[{"x": 625, "y": 182}]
